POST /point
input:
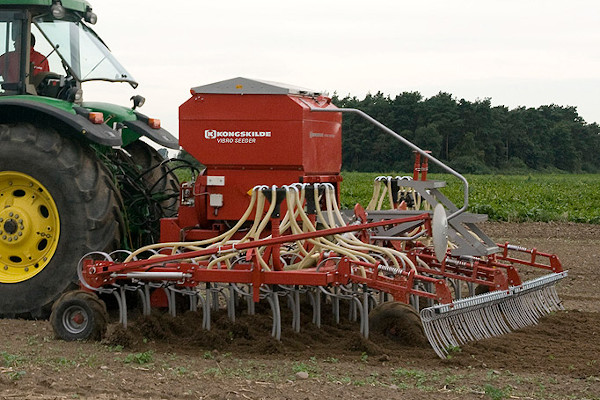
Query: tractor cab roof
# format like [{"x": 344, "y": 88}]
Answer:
[{"x": 74, "y": 5}]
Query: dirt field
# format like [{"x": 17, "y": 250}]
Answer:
[{"x": 164, "y": 359}]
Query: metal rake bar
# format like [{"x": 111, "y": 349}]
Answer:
[{"x": 491, "y": 314}]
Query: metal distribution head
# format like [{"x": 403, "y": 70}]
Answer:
[{"x": 241, "y": 85}]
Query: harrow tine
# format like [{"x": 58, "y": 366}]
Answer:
[
  {"x": 315, "y": 300},
  {"x": 490, "y": 314}
]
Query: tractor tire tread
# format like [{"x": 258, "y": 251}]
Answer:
[{"x": 88, "y": 202}]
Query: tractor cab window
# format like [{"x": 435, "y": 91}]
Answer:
[
  {"x": 11, "y": 56},
  {"x": 83, "y": 53}
]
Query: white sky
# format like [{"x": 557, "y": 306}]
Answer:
[{"x": 518, "y": 52}]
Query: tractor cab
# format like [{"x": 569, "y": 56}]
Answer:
[{"x": 50, "y": 51}]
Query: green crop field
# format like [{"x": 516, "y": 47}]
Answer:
[{"x": 515, "y": 198}]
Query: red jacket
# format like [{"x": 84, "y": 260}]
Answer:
[{"x": 9, "y": 64}]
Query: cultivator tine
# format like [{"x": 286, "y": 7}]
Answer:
[{"x": 490, "y": 314}]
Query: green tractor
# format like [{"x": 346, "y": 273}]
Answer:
[{"x": 74, "y": 176}]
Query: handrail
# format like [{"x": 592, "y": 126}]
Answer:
[{"x": 409, "y": 144}]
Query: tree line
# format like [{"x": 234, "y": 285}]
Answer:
[{"x": 471, "y": 137}]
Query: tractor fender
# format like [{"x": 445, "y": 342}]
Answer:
[
  {"x": 16, "y": 110},
  {"x": 160, "y": 136}
]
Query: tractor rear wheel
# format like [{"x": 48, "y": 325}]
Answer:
[
  {"x": 57, "y": 203},
  {"x": 399, "y": 322},
  {"x": 79, "y": 315}
]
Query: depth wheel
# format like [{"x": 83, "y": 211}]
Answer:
[
  {"x": 57, "y": 203},
  {"x": 399, "y": 322},
  {"x": 79, "y": 315}
]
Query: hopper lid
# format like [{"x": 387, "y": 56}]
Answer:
[{"x": 252, "y": 86}]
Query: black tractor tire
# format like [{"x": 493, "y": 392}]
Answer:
[
  {"x": 156, "y": 175},
  {"x": 87, "y": 209},
  {"x": 149, "y": 189},
  {"x": 399, "y": 322},
  {"x": 79, "y": 315}
]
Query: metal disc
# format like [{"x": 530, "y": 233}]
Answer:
[{"x": 439, "y": 226}]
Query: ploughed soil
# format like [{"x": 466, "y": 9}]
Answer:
[{"x": 165, "y": 358}]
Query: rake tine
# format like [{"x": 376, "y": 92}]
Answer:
[
  {"x": 473, "y": 325},
  {"x": 553, "y": 296},
  {"x": 491, "y": 314},
  {"x": 486, "y": 323},
  {"x": 530, "y": 309},
  {"x": 536, "y": 304},
  {"x": 445, "y": 332},
  {"x": 519, "y": 311},
  {"x": 432, "y": 332},
  {"x": 461, "y": 329},
  {"x": 437, "y": 341},
  {"x": 512, "y": 315},
  {"x": 547, "y": 298},
  {"x": 459, "y": 332},
  {"x": 496, "y": 313}
]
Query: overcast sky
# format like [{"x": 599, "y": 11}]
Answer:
[{"x": 516, "y": 52}]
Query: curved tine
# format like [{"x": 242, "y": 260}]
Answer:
[
  {"x": 266, "y": 290},
  {"x": 127, "y": 253},
  {"x": 364, "y": 314},
  {"x": 372, "y": 301},
  {"x": 171, "y": 300},
  {"x": 117, "y": 295},
  {"x": 205, "y": 311},
  {"x": 193, "y": 301},
  {"x": 358, "y": 305},
  {"x": 556, "y": 303},
  {"x": 192, "y": 294},
  {"x": 542, "y": 301},
  {"x": 230, "y": 301},
  {"x": 323, "y": 261},
  {"x": 241, "y": 291},
  {"x": 294, "y": 300},
  {"x": 317, "y": 311},
  {"x": 312, "y": 298},
  {"x": 494, "y": 320},
  {"x": 380, "y": 257},
  {"x": 145, "y": 301},
  {"x": 352, "y": 315},
  {"x": 147, "y": 296},
  {"x": 104, "y": 255},
  {"x": 432, "y": 337},
  {"x": 273, "y": 300},
  {"x": 335, "y": 305},
  {"x": 123, "y": 308},
  {"x": 151, "y": 251}
]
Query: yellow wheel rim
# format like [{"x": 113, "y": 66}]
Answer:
[{"x": 29, "y": 227}]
